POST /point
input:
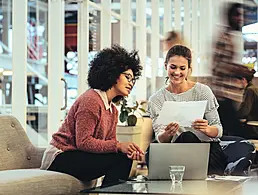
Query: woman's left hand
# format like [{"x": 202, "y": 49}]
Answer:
[
  {"x": 136, "y": 156},
  {"x": 201, "y": 125}
]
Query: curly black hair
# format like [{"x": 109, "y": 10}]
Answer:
[{"x": 109, "y": 63}]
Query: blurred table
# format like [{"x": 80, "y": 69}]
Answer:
[
  {"x": 253, "y": 123},
  {"x": 188, "y": 187}
]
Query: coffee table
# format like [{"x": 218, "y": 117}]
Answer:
[{"x": 188, "y": 187}]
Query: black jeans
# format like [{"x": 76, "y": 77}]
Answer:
[
  {"x": 228, "y": 117},
  {"x": 88, "y": 166},
  {"x": 217, "y": 158}
]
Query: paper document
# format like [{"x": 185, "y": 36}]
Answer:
[
  {"x": 229, "y": 178},
  {"x": 184, "y": 113}
]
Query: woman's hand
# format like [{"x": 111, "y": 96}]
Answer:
[
  {"x": 129, "y": 148},
  {"x": 201, "y": 125},
  {"x": 136, "y": 156},
  {"x": 171, "y": 129},
  {"x": 169, "y": 132}
]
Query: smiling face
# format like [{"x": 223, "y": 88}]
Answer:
[
  {"x": 125, "y": 83},
  {"x": 177, "y": 69}
]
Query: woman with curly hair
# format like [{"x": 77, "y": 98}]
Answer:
[{"x": 85, "y": 146}]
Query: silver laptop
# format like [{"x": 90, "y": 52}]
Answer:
[{"x": 194, "y": 156}]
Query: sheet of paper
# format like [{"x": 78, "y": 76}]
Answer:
[
  {"x": 229, "y": 178},
  {"x": 184, "y": 113}
]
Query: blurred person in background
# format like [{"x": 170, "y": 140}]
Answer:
[
  {"x": 249, "y": 107},
  {"x": 227, "y": 67},
  {"x": 171, "y": 38}
]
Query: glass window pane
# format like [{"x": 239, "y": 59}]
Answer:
[
  {"x": 94, "y": 29},
  {"x": 71, "y": 51},
  {"x": 134, "y": 37},
  {"x": 116, "y": 6},
  {"x": 37, "y": 77},
  {"x": 133, "y": 10},
  {"x": 6, "y": 57},
  {"x": 148, "y": 14},
  {"x": 161, "y": 18},
  {"x": 96, "y": 1},
  {"x": 115, "y": 31}
]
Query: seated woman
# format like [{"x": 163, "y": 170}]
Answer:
[
  {"x": 85, "y": 146},
  {"x": 249, "y": 107},
  {"x": 180, "y": 88}
]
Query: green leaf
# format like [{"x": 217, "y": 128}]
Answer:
[
  {"x": 123, "y": 116},
  {"x": 124, "y": 102},
  {"x": 141, "y": 109},
  {"x": 129, "y": 110}
]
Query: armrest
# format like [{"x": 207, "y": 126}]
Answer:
[{"x": 35, "y": 155}]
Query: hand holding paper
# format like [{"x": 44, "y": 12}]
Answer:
[
  {"x": 171, "y": 129},
  {"x": 183, "y": 113},
  {"x": 200, "y": 124}
]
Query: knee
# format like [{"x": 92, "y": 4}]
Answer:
[
  {"x": 189, "y": 137},
  {"x": 123, "y": 159}
]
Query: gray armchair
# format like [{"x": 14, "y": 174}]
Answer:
[{"x": 20, "y": 162}]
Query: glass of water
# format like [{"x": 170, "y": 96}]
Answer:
[{"x": 176, "y": 173}]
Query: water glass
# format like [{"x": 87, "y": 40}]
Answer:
[{"x": 176, "y": 173}]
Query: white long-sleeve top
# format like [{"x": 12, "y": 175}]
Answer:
[{"x": 198, "y": 92}]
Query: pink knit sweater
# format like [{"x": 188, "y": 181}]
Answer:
[{"x": 88, "y": 126}]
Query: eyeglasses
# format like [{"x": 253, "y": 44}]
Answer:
[{"x": 129, "y": 78}]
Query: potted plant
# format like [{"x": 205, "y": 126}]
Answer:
[{"x": 127, "y": 113}]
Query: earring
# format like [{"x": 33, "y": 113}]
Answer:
[{"x": 166, "y": 79}]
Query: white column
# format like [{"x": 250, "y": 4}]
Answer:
[
  {"x": 141, "y": 86},
  {"x": 19, "y": 60},
  {"x": 105, "y": 24},
  {"x": 167, "y": 16},
  {"x": 126, "y": 32},
  {"x": 155, "y": 40},
  {"x": 55, "y": 64},
  {"x": 187, "y": 24},
  {"x": 177, "y": 4},
  {"x": 83, "y": 46},
  {"x": 194, "y": 41}
]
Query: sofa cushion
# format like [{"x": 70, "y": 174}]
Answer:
[{"x": 40, "y": 182}]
